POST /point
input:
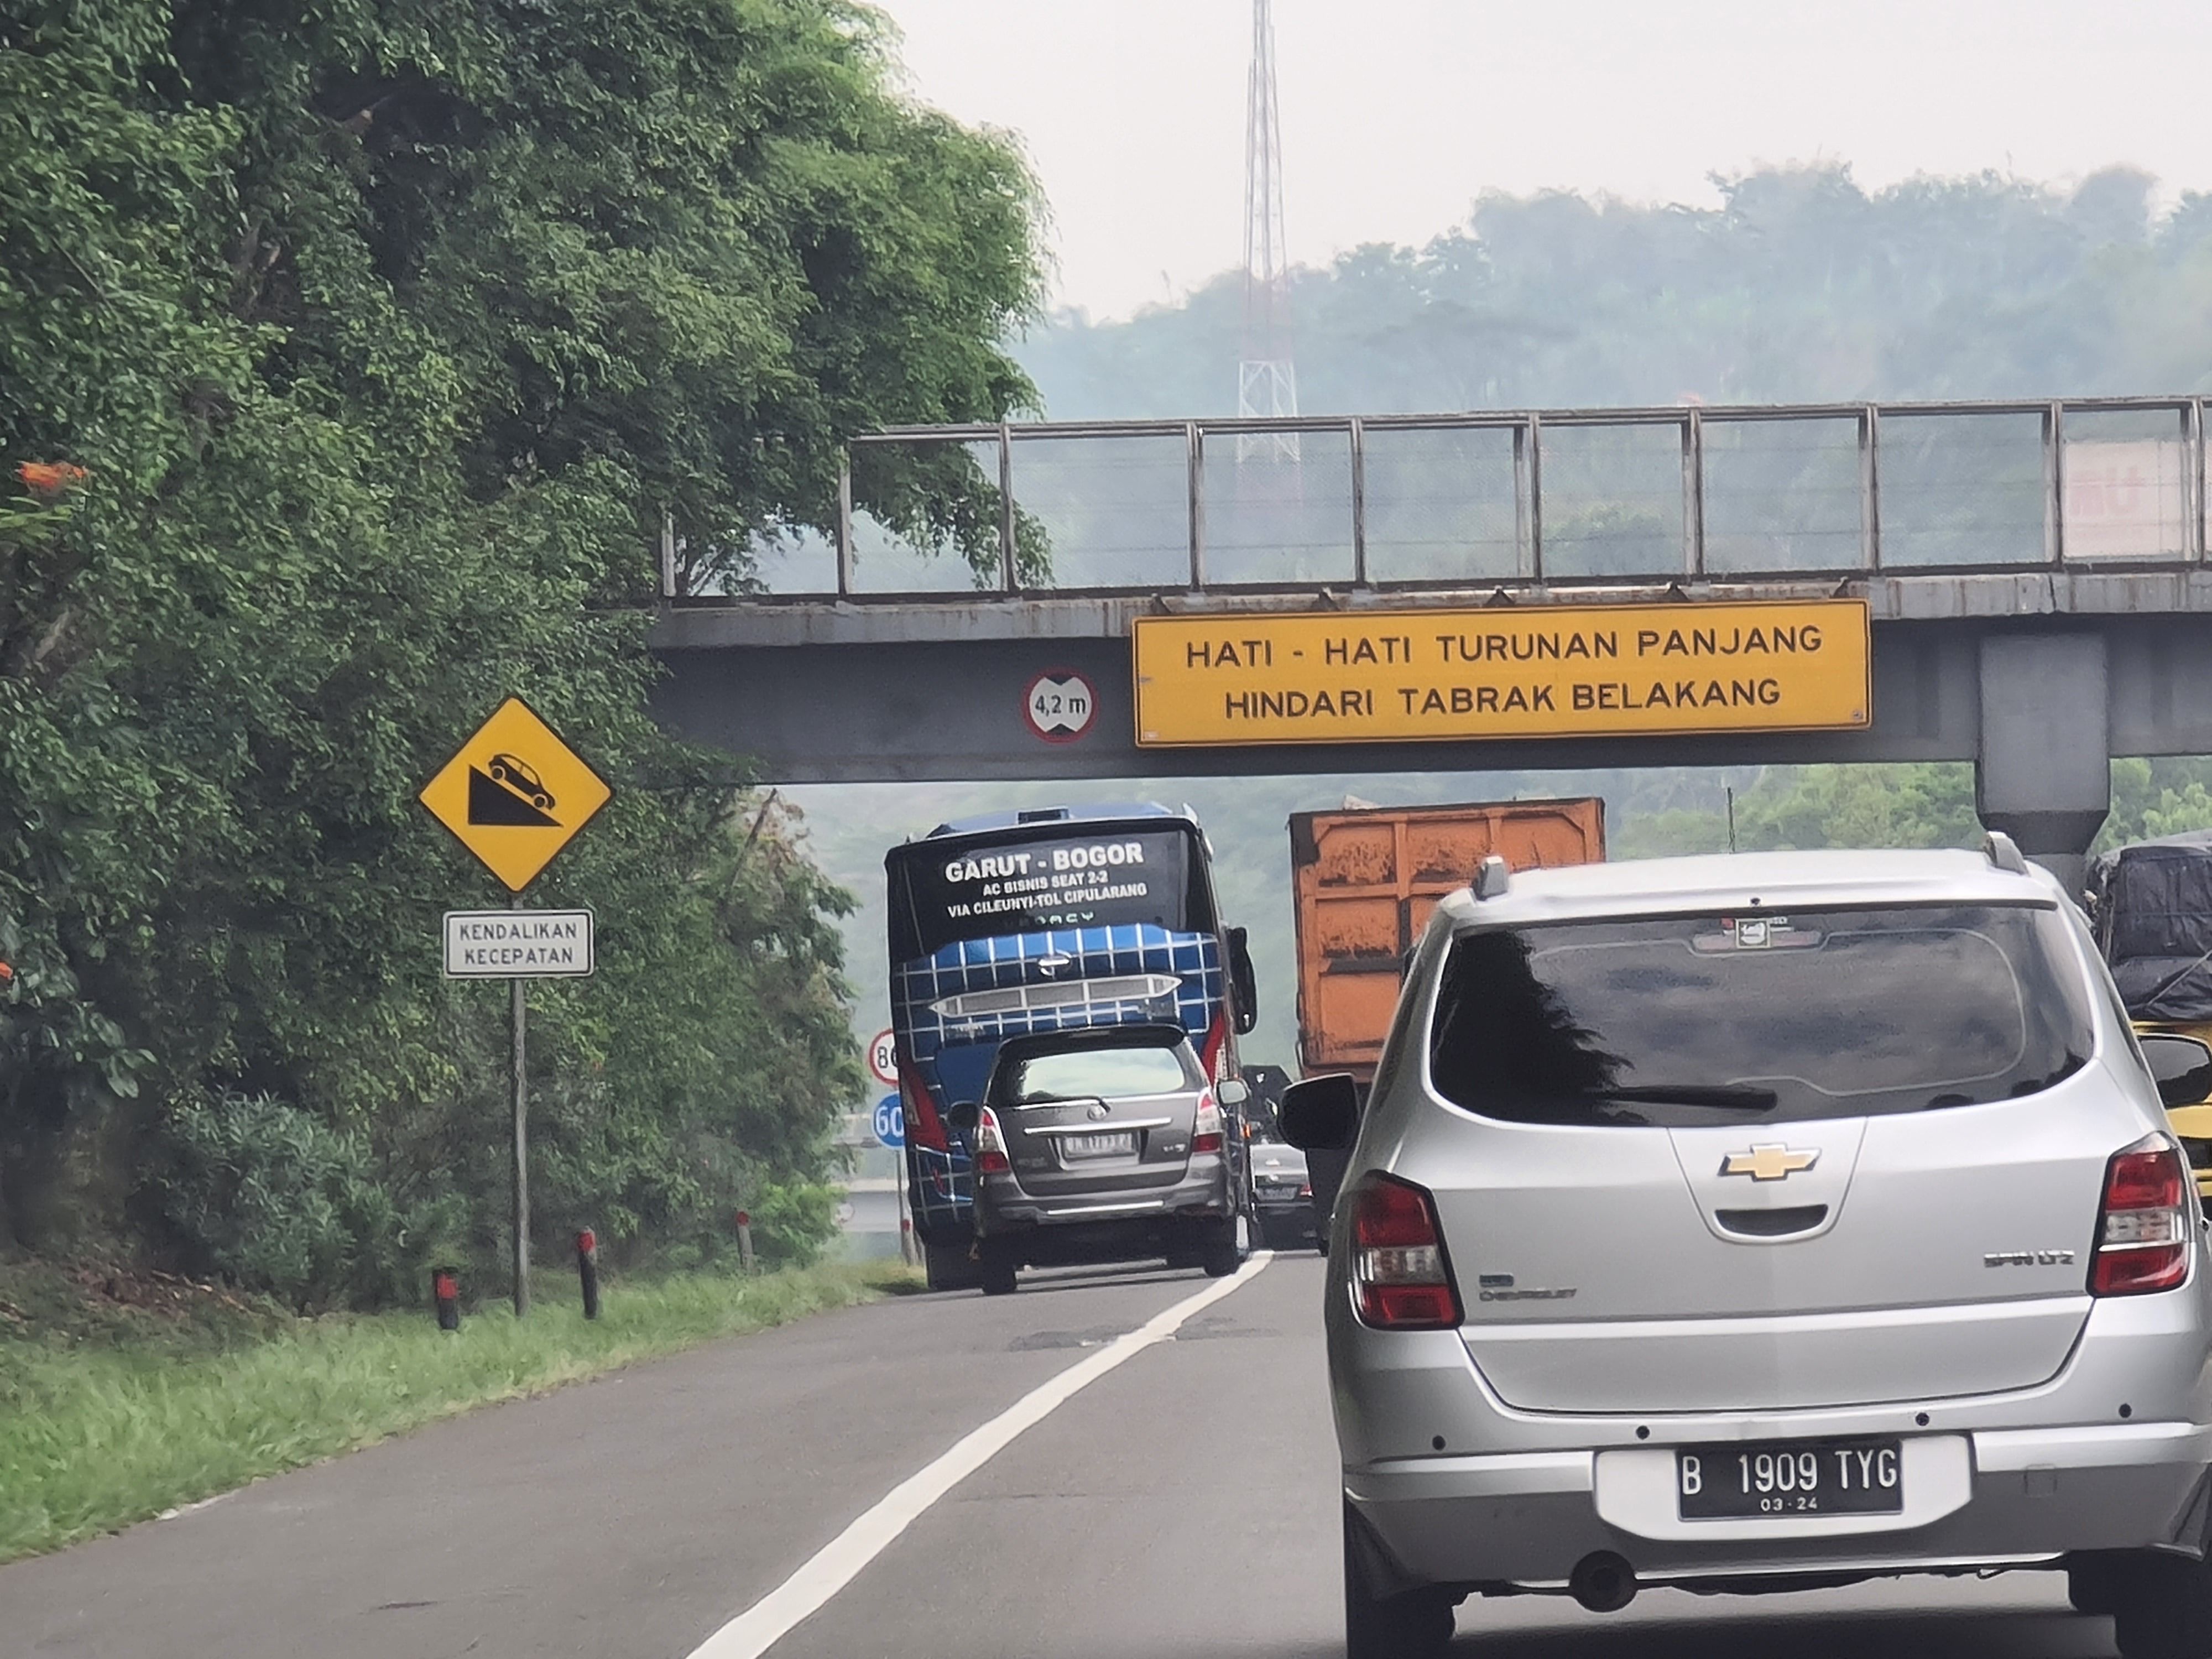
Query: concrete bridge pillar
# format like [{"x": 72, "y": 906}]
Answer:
[{"x": 2043, "y": 772}]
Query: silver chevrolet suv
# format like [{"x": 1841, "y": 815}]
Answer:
[{"x": 1766, "y": 1222}]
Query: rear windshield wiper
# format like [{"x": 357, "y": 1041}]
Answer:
[{"x": 1734, "y": 1097}]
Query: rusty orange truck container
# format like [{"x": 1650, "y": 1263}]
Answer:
[{"x": 1365, "y": 880}]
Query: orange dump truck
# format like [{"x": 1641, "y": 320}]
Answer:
[{"x": 1365, "y": 880}]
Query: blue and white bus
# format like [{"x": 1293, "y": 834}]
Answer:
[{"x": 1041, "y": 921}]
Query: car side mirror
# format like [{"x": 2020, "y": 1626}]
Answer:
[
  {"x": 1232, "y": 1091},
  {"x": 964, "y": 1117},
  {"x": 1244, "y": 981},
  {"x": 2180, "y": 1066},
  {"x": 1322, "y": 1113}
]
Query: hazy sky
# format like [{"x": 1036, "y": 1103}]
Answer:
[{"x": 1397, "y": 114}]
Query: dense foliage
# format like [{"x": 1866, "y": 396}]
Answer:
[
  {"x": 1799, "y": 287},
  {"x": 349, "y": 358}
]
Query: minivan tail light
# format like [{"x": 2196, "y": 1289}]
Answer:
[
  {"x": 1206, "y": 1133},
  {"x": 1398, "y": 1271},
  {"x": 2143, "y": 1226},
  {"x": 990, "y": 1145}
]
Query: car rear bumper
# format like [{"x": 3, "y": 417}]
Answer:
[
  {"x": 1287, "y": 1210},
  {"x": 2004, "y": 1497},
  {"x": 1005, "y": 1211},
  {"x": 2111, "y": 1454}
]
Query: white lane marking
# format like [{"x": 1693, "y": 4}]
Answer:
[
  {"x": 837, "y": 1563},
  {"x": 191, "y": 1509}
]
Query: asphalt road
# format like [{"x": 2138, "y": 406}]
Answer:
[{"x": 1183, "y": 1505}]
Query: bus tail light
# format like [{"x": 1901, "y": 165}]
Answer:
[
  {"x": 1214, "y": 1052},
  {"x": 990, "y": 1145},
  {"x": 2143, "y": 1226},
  {"x": 1398, "y": 1266},
  {"x": 1206, "y": 1133},
  {"x": 924, "y": 1127}
]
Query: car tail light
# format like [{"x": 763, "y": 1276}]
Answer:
[
  {"x": 1206, "y": 1134},
  {"x": 1398, "y": 1266},
  {"x": 923, "y": 1126},
  {"x": 1305, "y": 1189},
  {"x": 990, "y": 1145},
  {"x": 2142, "y": 1229}
]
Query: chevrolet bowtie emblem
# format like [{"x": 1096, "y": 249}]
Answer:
[{"x": 1769, "y": 1162}]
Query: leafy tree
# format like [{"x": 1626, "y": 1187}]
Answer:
[{"x": 355, "y": 358}]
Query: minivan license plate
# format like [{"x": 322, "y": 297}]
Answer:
[
  {"x": 1114, "y": 1146},
  {"x": 1791, "y": 1477}
]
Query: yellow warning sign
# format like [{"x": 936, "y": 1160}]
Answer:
[
  {"x": 515, "y": 794},
  {"x": 1547, "y": 672}
]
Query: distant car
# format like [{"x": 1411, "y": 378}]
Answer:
[
  {"x": 1764, "y": 1222},
  {"x": 1280, "y": 1184},
  {"x": 519, "y": 777},
  {"x": 1100, "y": 1144}
]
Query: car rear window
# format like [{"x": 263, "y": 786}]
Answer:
[
  {"x": 1760, "y": 1017},
  {"x": 1140, "y": 1063}
]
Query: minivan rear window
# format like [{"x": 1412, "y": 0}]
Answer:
[
  {"x": 1095, "y": 1066},
  {"x": 1760, "y": 1017}
]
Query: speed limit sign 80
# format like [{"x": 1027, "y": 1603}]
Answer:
[{"x": 882, "y": 1058}]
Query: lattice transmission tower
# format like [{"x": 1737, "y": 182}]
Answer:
[{"x": 1267, "y": 380}]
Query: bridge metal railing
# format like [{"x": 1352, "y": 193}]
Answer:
[{"x": 1407, "y": 502}]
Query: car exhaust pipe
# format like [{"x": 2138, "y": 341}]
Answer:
[{"x": 1603, "y": 1581}]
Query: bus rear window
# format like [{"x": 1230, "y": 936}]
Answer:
[{"x": 1110, "y": 878}]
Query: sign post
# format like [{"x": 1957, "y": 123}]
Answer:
[
  {"x": 515, "y": 794},
  {"x": 891, "y": 1132},
  {"x": 518, "y": 1013}
]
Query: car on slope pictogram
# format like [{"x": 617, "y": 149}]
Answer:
[{"x": 518, "y": 776}]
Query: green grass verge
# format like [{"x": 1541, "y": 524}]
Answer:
[{"x": 111, "y": 1413}]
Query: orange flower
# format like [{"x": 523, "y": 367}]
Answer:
[{"x": 49, "y": 478}]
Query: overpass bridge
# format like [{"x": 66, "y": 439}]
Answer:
[{"x": 2033, "y": 576}]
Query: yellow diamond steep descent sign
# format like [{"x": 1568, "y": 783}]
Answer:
[{"x": 515, "y": 794}]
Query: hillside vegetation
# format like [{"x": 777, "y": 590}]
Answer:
[
  {"x": 1801, "y": 286},
  {"x": 350, "y": 356}
]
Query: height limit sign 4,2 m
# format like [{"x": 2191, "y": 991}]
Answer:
[{"x": 514, "y": 794}]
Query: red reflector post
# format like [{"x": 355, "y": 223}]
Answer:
[
  {"x": 2144, "y": 1226},
  {"x": 446, "y": 1297},
  {"x": 587, "y": 1270},
  {"x": 1398, "y": 1268}
]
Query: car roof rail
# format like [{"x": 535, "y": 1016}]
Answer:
[
  {"x": 2003, "y": 851},
  {"x": 1493, "y": 878}
]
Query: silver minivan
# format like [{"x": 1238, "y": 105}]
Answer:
[
  {"x": 1764, "y": 1222},
  {"x": 1098, "y": 1144}
]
